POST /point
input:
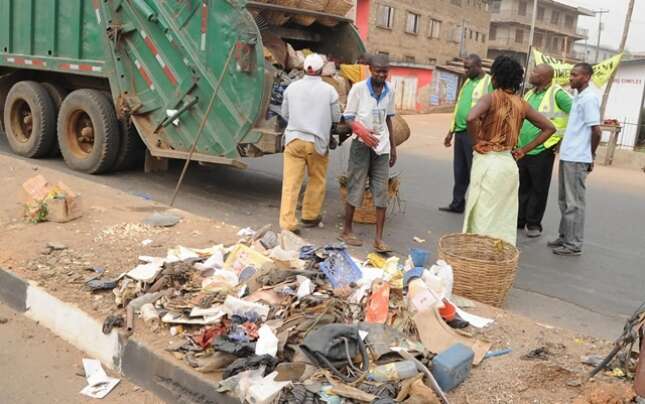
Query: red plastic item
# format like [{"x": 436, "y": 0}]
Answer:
[
  {"x": 361, "y": 131},
  {"x": 378, "y": 305},
  {"x": 448, "y": 312}
]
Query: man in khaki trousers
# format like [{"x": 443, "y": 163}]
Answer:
[{"x": 310, "y": 107}]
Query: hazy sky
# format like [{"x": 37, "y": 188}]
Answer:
[{"x": 614, "y": 22}]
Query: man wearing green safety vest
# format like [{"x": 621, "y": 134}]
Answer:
[
  {"x": 477, "y": 84},
  {"x": 536, "y": 168}
]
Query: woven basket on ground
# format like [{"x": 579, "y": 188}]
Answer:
[
  {"x": 311, "y": 5},
  {"x": 366, "y": 214},
  {"x": 484, "y": 267},
  {"x": 275, "y": 17},
  {"x": 336, "y": 7},
  {"x": 401, "y": 130}
]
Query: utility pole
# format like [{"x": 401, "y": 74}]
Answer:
[
  {"x": 530, "y": 49},
  {"x": 623, "y": 42},
  {"x": 600, "y": 27}
]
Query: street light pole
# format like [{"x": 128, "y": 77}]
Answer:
[
  {"x": 530, "y": 49},
  {"x": 600, "y": 13}
]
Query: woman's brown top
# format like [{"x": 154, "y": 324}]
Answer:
[{"x": 500, "y": 127}]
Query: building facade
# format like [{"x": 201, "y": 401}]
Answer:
[
  {"x": 420, "y": 37},
  {"x": 586, "y": 52},
  {"x": 556, "y": 28}
]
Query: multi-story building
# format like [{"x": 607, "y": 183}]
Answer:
[
  {"x": 587, "y": 52},
  {"x": 421, "y": 37},
  {"x": 556, "y": 28}
]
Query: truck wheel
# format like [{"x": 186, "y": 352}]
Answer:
[
  {"x": 30, "y": 120},
  {"x": 57, "y": 95},
  {"x": 131, "y": 149},
  {"x": 88, "y": 132}
]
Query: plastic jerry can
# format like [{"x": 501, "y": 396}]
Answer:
[{"x": 452, "y": 366}]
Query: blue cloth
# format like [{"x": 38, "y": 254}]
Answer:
[{"x": 585, "y": 113}]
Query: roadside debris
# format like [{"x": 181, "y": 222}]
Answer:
[
  {"x": 162, "y": 219},
  {"x": 99, "y": 384}
]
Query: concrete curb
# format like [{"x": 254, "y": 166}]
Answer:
[{"x": 130, "y": 358}]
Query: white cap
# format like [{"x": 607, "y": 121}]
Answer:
[{"x": 314, "y": 63}]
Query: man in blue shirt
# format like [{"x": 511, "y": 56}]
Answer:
[{"x": 577, "y": 154}]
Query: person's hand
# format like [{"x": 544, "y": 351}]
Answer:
[
  {"x": 367, "y": 136},
  {"x": 591, "y": 166},
  {"x": 448, "y": 140},
  {"x": 518, "y": 154},
  {"x": 393, "y": 156}
]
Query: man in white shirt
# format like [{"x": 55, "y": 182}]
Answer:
[
  {"x": 310, "y": 106},
  {"x": 370, "y": 107},
  {"x": 577, "y": 154}
]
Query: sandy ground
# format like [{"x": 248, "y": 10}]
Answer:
[{"x": 110, "y": 235}]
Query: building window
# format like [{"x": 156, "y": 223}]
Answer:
[
  {"x": 556, "y": 43},
  {"x": 519, "y": 36},
  {"x": 483, "y": 38},
  {"x": 471, "y": 33},
  {"x": 456, "y": 2},
  {"x": 434, "y": 29},
  {"x": 477, "y": 36},
  {"x": 521, "y": 10},
  {"x": 540, "y": 14},
  {"x": 409, "y": 59},
  {"x": 432, "y": 61},
  {"x": 537, "y": 40},
  {"x": 385, "y": 17},
  {"x": 555, "y": 17},
  {"x": 494, "y": 6},
  {"x": 412, "y": 23},
  {"x": 383, "y": 53},
  {"x": 569, "y": 21},
  {"x": 492, "y": 33}
]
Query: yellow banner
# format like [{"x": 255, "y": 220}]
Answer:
[{"x": 601, "y": 71}]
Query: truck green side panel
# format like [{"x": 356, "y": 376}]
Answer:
[{"x": 58, "y": 35}]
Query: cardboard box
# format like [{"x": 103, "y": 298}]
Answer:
[{"x": 63, "y": 204}]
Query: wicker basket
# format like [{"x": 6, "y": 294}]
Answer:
[
  {"x": 484, "y": 267},
  {"x": 336, "y": 7},
  {"x": 366, "y": 214},
  {"x": 311, "y": 5},
  {"x": 401, "y": 130},
  {"x": 275, "y": 17}
]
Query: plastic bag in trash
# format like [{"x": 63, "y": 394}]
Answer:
[{"x": 339, "y": 267}]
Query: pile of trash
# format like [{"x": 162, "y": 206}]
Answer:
[{"x": 276, "y": 319}]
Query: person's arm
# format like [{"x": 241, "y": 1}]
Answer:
[
  {"x": 564, "y": 101},
  {"x": 475, "y": 115},
  {"x": 285, "y": 105},
  {"x": 335, "y": 106},
  {"x": 391, "y": 111},
  {"x": 592, "y": 118},
  {"x": 546, "y": 130}
]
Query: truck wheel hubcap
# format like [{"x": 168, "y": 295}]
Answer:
[
  {"x": 80, "y": 134},
  {"x": 21, "y": 121}
]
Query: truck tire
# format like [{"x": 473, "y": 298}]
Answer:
[
  {"x": 57, "y": 94},
  {"x": 131, "y": 149},
  {"x": 30, "y": 120},
  {"x": 88, "y": 132}
]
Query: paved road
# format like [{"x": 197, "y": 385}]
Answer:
[
  {"x": 592, "y": 293},
  {"x": 38, "y": 367}
]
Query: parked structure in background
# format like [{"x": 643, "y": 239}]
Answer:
[
  {"x": 421, "y": 38},
  {"x": 556, "y": 28},
  {"x": 626, "y": 103},
  {"x": 586, "y": 52}
]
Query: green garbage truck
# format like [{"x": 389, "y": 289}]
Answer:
[{"x": 104, "y": 81}]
